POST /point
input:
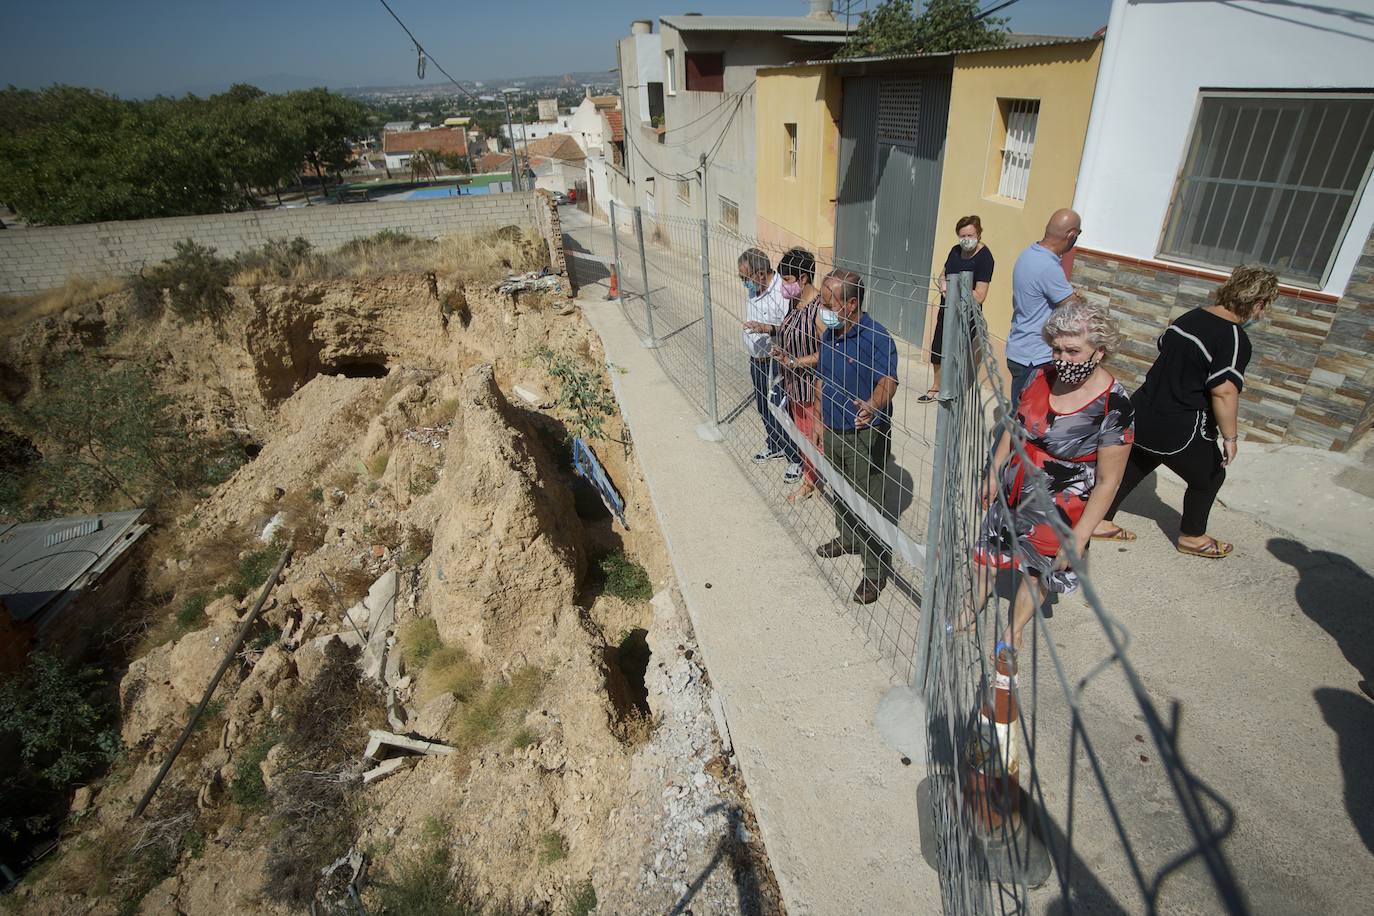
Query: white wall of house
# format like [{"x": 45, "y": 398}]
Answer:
[
  {"x": 599, "y": 183},
  {"x": 398, "y": 161},
  {"x": 585, "y": 126},
  {"x": 1157, "y": 58},
  {"x": 539, "y": 129}
]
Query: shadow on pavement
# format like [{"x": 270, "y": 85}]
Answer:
[
  {"x": 1335, "y": 593},
  {"x": 731, "y": 850}
]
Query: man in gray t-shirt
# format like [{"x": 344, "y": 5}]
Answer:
[{"x": 1038, "y": 285}]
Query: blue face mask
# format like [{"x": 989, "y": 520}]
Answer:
[
  {"x": 830, "y": 319},
  {"x": 751, "y": 286}
]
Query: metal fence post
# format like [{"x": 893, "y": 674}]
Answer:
[
  {"x": 615, "y": 248},
  {"x": 708, "y": 431},
  {"x": 939, "y": 554},
  {"x": 650, "y": 340}
]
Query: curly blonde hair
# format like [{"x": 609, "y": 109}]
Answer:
[
  {"x": 1093, "y": 322},
  {"x": 1249, "y": 287}
]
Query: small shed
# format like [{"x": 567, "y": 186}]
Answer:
[{"x": 59, "y": 578}]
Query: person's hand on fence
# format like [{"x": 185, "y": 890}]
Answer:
[
  {"x": 758, "y": 327},
  {"x": 988, "y": 492},
  {"x": 940, "y": 284},
  {"x": 817, "y": 431},
  {"x": 864, "y": 411},
  {"x": 779, "y": 354}
]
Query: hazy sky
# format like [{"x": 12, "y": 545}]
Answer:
[{"x": 142, "y": 47}]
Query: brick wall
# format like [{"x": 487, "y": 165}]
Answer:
[
  {"x": 1311, "y": 378},
  {"x": 32, "y": 260}
]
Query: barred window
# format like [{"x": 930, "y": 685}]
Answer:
[
  {"x": 789, "y": 162},
  {"x": 729, "y": 214},
  {"x": 1271, "y": 179},
  {"x": 1019, "y": 120}
]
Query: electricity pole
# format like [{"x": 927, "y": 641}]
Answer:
[{"x": 516, "y": 183}]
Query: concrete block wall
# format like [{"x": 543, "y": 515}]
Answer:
[
  {"x": 33, "y": 260},
  {"x": 1311, "y": 374}
]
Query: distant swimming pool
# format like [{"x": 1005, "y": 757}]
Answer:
[{"x": 433, "y": 193}]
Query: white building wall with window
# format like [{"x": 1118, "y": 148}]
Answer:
[{"x": 1161, "y": 59}]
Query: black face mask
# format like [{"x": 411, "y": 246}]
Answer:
[{"x": 1073, "y": 373}]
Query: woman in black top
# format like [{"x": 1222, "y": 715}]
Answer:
[
  {"x": 969, "y": 254},
  {"x": 1189, "y": 400}
]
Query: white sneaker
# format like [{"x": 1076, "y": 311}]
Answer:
[
  {"x": 793, "y": 472},
  {"x": 764, "y": 456}
]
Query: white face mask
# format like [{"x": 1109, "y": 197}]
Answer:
[{"x": 967, "y": 243}]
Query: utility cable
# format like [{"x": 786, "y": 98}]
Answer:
[{"x": 425, "y": 55}]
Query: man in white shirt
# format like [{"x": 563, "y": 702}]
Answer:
[{"x": 763, "y": 315}]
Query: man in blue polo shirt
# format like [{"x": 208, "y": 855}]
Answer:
[
  {"x": 1038, "y": 286},
  {"x": 855, "y": 381}
]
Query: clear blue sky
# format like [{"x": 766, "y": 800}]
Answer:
[{"x": 142, "y": 47}]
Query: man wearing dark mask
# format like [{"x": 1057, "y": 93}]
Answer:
[
  {"x": 856, "y": 378},
  {"x": 1038, "y": 287},
  {"x": 763, "y": 314}
]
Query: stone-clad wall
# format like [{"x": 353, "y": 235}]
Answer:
[
  {"x": 32, "y": 260},
  {"x": 1311, "y": 378}
]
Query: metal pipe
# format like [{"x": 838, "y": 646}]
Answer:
[
  {"x": 708, "y": 430},
  {"x": 214, "y": 682},
  {"x": 937, "y": 552},
  {"x": 510, "y": 132},
  {"x": 615, "y": 245},
  {"x": 651, "y": 342}
]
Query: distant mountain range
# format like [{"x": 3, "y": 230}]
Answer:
[{"x": 286, "y": 82}]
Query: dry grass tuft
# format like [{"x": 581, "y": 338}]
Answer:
[
  {"x": 477, "y": 258},
  {"x": 303, "y": 520},
  {"x": 17, "y": 311}
]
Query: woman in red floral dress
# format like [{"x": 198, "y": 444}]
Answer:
[{"x": 1077, "y": 424}]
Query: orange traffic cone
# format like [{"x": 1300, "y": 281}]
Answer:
[
  {"x": 614, "y": 291},
  {"x": 999, "y": 807}
]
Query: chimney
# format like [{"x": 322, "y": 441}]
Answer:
[
  {"x": 641, "y": 27},
  {"x": 820, "y": 10},
  {"x": 587, "y": 92}
]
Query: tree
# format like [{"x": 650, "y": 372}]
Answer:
[
  {"x": 893, "y": 27},
  {"x": 327, "y": 122}
]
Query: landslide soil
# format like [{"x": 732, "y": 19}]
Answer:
[{"x": 406, "y": 424}]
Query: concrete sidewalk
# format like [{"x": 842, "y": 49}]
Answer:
[{"x": 836, "y": 805}]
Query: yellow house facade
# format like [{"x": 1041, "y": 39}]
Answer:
[
  {"x": 998, "y": 100},
  {"x": 797, "y": 144},
  {"x": 1012, "y": 141}
]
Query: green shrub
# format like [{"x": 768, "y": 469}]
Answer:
[
  {"x": 488, "y": 716},
  {"x": 582, "y": 900},
  {"x": 52, "y": 714},
  {"x": 107, "y": 436},
  {"x": 583, "y": 398},
  {"x": 419, "y": 641},
  {"x": 254, "y": 568},
  {"x": 192, "y": 611},
  {"x": 278, "y": 258},
  {"x": 248, "y": 790},
  {"x": 623, "y": 578},
  {"x": 195, "y": 279},
  {"x": 552, "y": 847}
]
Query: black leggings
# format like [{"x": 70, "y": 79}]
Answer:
[{"x": 1199, "y": 464}]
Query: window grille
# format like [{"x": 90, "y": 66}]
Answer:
[
  {"x": 1019, "y": 117},
  {"x": 729, "y": 214},
  {"x": 789, "y": 164},
  {"x": 1271, "y": 179},
  {"x": 899, "y": 111}
]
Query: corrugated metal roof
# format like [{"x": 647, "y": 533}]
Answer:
[
  {"x": 751, "y": 24},
  {"x": 1013, "y": 44},
  {"x": 34, "y": 573}
]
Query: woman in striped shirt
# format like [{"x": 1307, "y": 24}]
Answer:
[{"x": 799, "y": 338}]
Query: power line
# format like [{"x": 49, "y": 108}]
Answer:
[{"x": 425, "y": 55}]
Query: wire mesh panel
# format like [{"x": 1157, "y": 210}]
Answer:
[
  {"x": 1033, "y": 807},
  {"x": 1030, "y": 804}
]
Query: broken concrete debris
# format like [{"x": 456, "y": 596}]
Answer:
[
  {"x": 379, "y": 740},
  {"x": 384, "y": 769}
]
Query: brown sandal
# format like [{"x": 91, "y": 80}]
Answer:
[
  {"x": 1120, "y": 534},
  {"x": 1212, "y": 550}
]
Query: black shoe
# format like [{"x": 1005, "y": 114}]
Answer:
[
  {"x": 832, "y": 549},
  {"x": 868, "y": 591}
]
